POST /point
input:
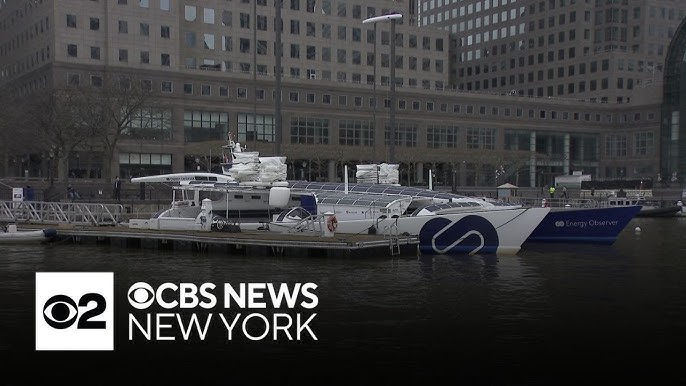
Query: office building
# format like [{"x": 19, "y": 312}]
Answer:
[{"x": 210, "y": 68}]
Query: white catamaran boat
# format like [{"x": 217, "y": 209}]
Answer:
[{"x": 252, "y": 194}]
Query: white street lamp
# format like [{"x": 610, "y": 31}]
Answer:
[{"x": 392, "y": 17}]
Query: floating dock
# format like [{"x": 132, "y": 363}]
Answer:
[{"x": 258, "y": 243}]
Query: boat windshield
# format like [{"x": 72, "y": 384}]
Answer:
[{"x": 293, "y": 213}]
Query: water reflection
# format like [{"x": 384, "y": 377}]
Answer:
[{"x": 620, "y": 306}]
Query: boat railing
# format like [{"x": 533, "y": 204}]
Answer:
[
  {"x": 557, "y": 202},
  {"x": 312, "y": 223},
  {"x": 61, "y": 212}
]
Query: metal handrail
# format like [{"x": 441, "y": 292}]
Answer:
[
  {"x": 312, "y": 223},
  {"x": 61, "y": 212}
]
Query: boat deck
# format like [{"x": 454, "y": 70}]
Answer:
[{"x": 248, "y": 242}]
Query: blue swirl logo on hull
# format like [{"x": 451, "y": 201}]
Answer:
[{"x": 471, "y": 234}]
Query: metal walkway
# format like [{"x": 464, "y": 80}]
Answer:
[{"x": 60, "y": 212}]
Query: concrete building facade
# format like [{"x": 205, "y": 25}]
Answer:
[{"x": 210, "y": 66}]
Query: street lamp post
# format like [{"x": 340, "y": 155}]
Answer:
[
  {"x": 392, "y": 17},
  {"x": 51, "y": 176}
]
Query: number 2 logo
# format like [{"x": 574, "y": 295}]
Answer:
[{"x": 61, "y": 311}]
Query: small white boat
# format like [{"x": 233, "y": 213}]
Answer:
[
  {"x": 649, "y": 207},
  {"x": 10, "y": 234}
]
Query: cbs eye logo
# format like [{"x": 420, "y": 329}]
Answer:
[
  {"x": 74, "y": 311},
  {"x": 60, "y": 311},
  {"x": 141, "y": 295}
]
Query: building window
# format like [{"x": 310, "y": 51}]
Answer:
[
  {"x": 644, "y": 144},
  {"x": 123, "y": 27},
  {"x": 73, "y": 79},
  {"x": 145, "y": 29},
  {"x": 190, "y": 13},
  {"x": 95, "y": 53},
  {"x": 208, "y": 41},
  {"x": 95, "y": 24},
  {"x": 190, "y": 39},
  {"x": 148, "y": 164},
  {"x": 244, "y": 19},
  {"x": 226, "y": 18},
  {"x": 310, "y": 130},
  {"x": 480, "y": 138},
  {"x": 166, "y": 86},
  {"x": 144, "y": 3},
  {"x": 149, "y": 123},
  {"x": 206, "y": 90},
  {"x": 164, "y": 32},
  {"x": 96, "y": 81},
  {"x": 145, "y": 57},
  {"x": 256, "y": 127},
  {"x": 244, "y": 45},
  {"x": 123, "y": 55},
  {"x": 208, "y": 16},
  {"x": 441, "y": 136},
  {"x": 615, "y": 145},
  {"x": 71, "y": 21},
  {"x": 72, "y": 51},
  {"x": 165, "y": 60},
  {"x": 261, "y": 23},
  {"x": 242, "y": 93},
  {"x": 353, "y": 132},
  {"x": 406, "y": 134},
  {"x": 205, "y": 125}
]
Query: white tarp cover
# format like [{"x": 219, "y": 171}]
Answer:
[
  {"x": 272, "y": 169},
  {"x": 378, "y": 173}
]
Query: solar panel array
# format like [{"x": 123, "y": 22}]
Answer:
[
  {"x": 449, "y": 205},
  {"x": 373, "y": 189},
  {"x": 355, "y": 199}
]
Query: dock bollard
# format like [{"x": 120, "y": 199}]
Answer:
[{"x": 331, "y": 223}]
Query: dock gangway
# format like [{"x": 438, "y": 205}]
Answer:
[{"x": 61, "y": 212}]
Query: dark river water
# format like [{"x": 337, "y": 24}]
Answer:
[{"x": 552, "y": 314}]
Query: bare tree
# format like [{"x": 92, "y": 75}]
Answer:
[
  {"x": 501, "y": 164},
  {"x": 5, "y": 135},
  {"x": 55, "y": 117},
  {"x": 110, "y": 112},
  {"x": 14, "y": 140}
]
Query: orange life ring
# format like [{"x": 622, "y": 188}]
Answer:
[{"x": 332, "y": 223}]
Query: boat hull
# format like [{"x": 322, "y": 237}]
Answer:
[
  {"x": 666, "y": 211},
  {"x": 483, "y": 232},
  {"x": 18, "y": 237},
  {"x": 584, "y": 225}
]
